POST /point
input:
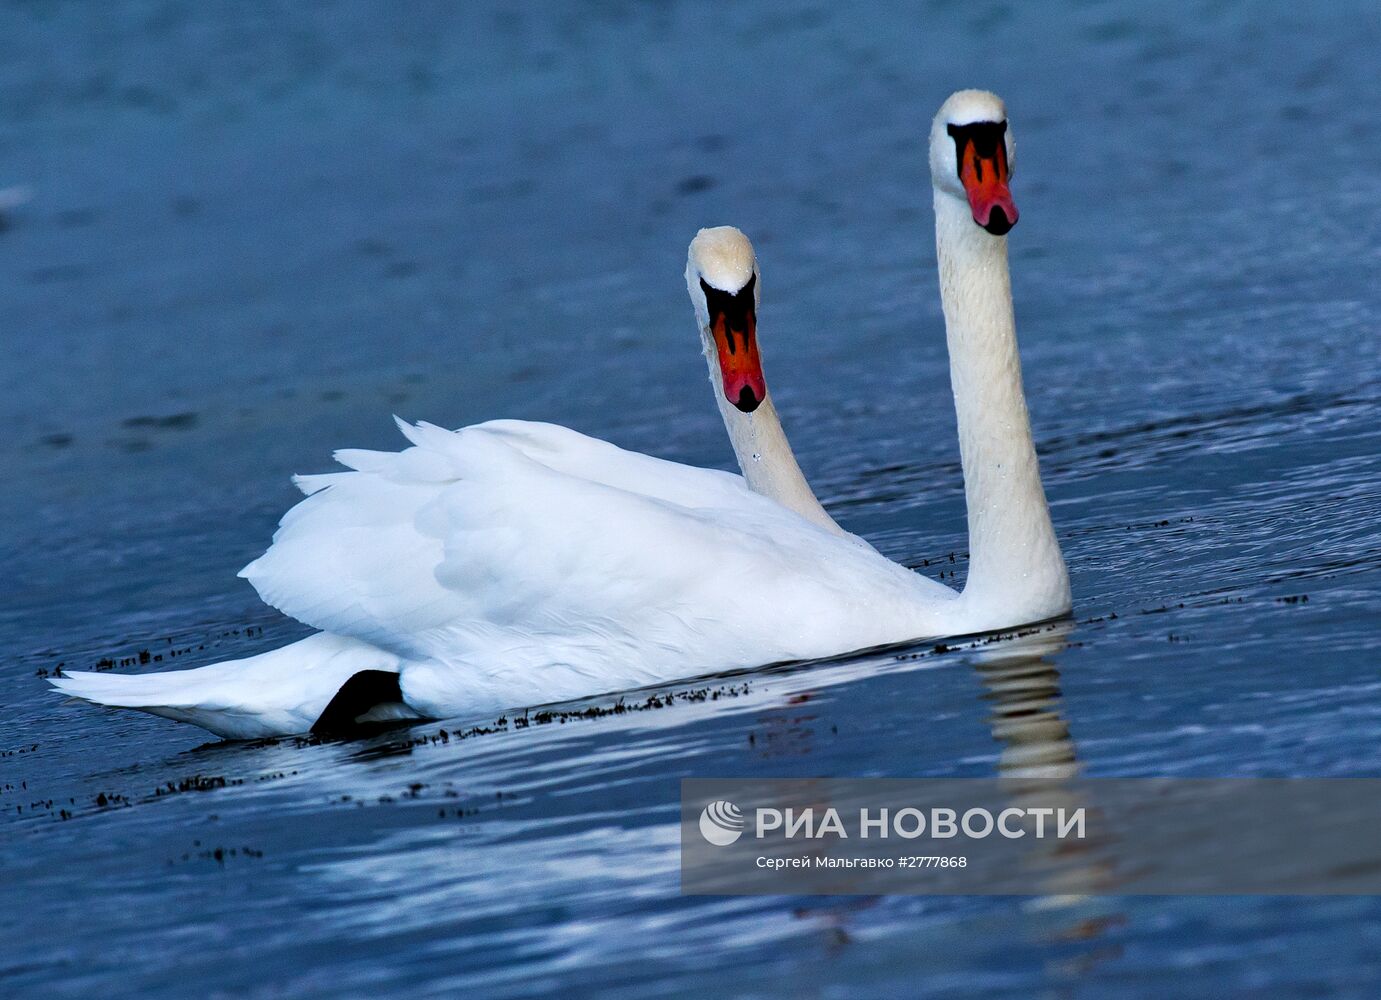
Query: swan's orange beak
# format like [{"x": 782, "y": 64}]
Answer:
[
  {"x": 982, "y": 155},
  {"x": 734, "y": 327}
]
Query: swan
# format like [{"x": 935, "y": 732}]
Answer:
[{"x": 513, "y": 563}]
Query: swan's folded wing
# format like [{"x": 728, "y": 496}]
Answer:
[
  {"x": 564, "y": 450},
  {"x": 526, "y": 530}
]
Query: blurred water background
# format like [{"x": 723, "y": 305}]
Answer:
[{"x": 238, "y": 236}]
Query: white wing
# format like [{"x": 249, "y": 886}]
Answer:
[{"x": 513, "y": 559}]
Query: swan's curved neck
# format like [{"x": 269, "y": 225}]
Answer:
[
  {"x": 1016, "y": 571},
  {"x": 764, "y": 454}
]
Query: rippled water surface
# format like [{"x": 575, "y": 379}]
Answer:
[{"x": 253, "y": 233}]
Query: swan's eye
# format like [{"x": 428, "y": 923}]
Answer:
[
  {"x": 733, "y": 324},
  {"x": 980, "y": 154}
]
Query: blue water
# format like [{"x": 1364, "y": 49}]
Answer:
[{"x": 253, "y": 233}]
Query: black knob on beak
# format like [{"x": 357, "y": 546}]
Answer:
[
  {"x": 747, "y": 402},
  {"x": 998, "y": 223}
]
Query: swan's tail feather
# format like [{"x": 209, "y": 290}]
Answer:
[{"x": 278, "y": 693}]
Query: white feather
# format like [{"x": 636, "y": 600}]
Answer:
[{"x": 282, "y": 691}]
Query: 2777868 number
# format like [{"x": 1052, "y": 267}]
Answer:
[{"x": 932, "y": 861}]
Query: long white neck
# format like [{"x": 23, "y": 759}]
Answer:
[
  {"x": 1016, "y": 571},
  {"x": 763, "y": 452}
]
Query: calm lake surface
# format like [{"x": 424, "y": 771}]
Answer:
[{"x": 251, "y": 235}]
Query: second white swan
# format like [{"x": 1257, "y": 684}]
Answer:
[{"x": 511, "y": 563}]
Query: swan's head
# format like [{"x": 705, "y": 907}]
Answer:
[
  {"x": 722, "y": 276},
  {"x": 972, "y": 156}
]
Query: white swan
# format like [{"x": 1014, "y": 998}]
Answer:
[{"x": 514, "y": 563}]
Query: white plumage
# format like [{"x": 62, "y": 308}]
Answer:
[
  {"x": 278, "y": 693},
  {"x": 513, "y": 563}
]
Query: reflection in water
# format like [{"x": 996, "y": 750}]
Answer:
[
  {"x": 1038, "y": 761},
  {"x": 1024, "y": 689}
]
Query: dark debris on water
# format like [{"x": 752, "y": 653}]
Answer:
[
  {"x": 217, "y": 854},
  {"x": 152, "y": 654},
  {"x": 546, "y": 717}
]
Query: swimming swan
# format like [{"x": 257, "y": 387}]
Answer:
[{"x": 514, "y": 563}]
